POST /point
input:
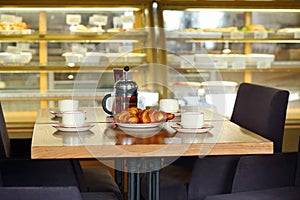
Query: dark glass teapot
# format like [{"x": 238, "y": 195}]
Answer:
[{"x": 125, "y": 95}]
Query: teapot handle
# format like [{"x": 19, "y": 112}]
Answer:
[{"x": 104, "y": 100}]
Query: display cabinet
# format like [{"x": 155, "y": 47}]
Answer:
[
  {"x": 51, "y": 51},
  {"x": 239, "y": 41}
]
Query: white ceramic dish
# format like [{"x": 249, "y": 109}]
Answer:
[
  {"x": 206, "y": 128},
  {"x": 125, "y": 57},
  {"x": 177, "y": 114},
  {"x": 140, "y": 130},
  {"x": 62, "y": 127},
  {"x": 71, "y": 57},
  {"x": 11, "y": 58},
  {"x": 139, "y": 126},
  {"x": 56, "y": 113}
]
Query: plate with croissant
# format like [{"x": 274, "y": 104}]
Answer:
[
  {"x": 139, "y": 126},
  {"x": 142, "y": 122}
]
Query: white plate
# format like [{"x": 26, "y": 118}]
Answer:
[
  {"x": 139, "y": 126},
  {"x": 177, "y": 114},
  {"x": 141, "y": 130},
  {"x": 67, "y": 128},
  {"x": 56, "y": 113},
  {"x": 204, "y": 129}
]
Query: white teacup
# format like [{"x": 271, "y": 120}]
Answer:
[
  {"x": 169, "y": 105},
  {"x": 68, "y": 105},
  {"x": 73, "y": 118},
  {"x": 192, "y": 119}
]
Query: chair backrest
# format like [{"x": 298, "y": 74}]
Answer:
[
  {"x": 4, "y": 139},
  {"x": 262, "y": 110}
]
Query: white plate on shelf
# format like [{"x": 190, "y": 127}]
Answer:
[
  {"x": 67, "y": 128},
  {"x": 206, "y": 128},
  {"x": 141, "y": 130}
]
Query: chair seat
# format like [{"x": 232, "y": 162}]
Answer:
[
  {"x": 260, "y": 172},
  {"x": 99, "y": 179},
  {"x": 283, "y": 193},
  {"x": 52, "y": 193},
  {"x": 27, "y": 172},
  {"x": 38, "y": 193},
  {"x": 98, "y": 196}
]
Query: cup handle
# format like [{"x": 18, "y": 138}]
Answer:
[{"x": 104, "y": 100}]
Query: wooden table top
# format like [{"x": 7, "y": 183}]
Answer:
[{"x": 105, "y": 140}]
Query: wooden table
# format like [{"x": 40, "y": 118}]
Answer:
[{"x": 106, "y": 141}]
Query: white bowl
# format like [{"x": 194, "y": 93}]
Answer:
[
  {"x": 237, "y": 61},
  {"x": 92, "y": 58},
  {"x": 6, "y": 58},
  {"x": 124, "y": 58},
  {"x": 71, "y": 57},
  {"x": 10, "y": 58},
  {"x": 211, "y": 60},
  {"x": 23, "y": 57},
  {"x": 261, "y": 60}
]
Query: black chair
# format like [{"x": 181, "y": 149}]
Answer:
[
  {"x": 258, "y": 108},
  {"x": 55, "y": 172},
  {"x": 265, "y": 177},
  {"x": 50, "y": 193}
]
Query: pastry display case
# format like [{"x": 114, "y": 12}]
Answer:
[
  {"x": 234, "y": 41},
  {"x": 66, "y": 51}
]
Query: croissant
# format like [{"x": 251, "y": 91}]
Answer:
[
  {"x": 157, "y": 116},
  {"x": 136, "y": 115},
  {"x": 134, "y": 110},
  {"x": 144, "y": 116}
]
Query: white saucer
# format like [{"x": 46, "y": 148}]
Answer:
[
  {"x": 67, "y": 128},
  {"x": 56, "y": 113},
  {"x": 204, "y": 129},
  {"x": 177, "y": 114}
]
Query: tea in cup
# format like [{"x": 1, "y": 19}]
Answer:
[
  {"x": 68, "y": 105},
  {"x": 169, "y": 105},
  {"x": 192, "y": 119},
  {"x": 73, "y": 118}
]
